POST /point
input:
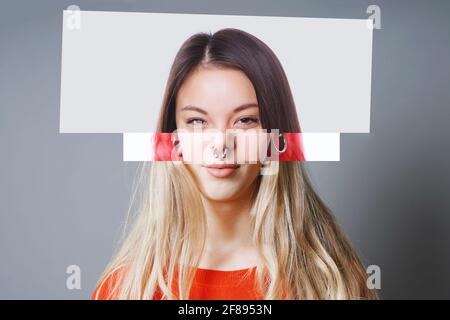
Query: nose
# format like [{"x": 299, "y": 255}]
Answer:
[{"x": 223, "y": 144}]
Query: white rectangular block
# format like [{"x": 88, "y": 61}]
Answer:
[{"x": 115, "y": 67}]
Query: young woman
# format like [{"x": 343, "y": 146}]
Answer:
[{"x": 228, "y": 232}]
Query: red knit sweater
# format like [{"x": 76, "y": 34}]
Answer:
[{"x": 208, "y": 285}]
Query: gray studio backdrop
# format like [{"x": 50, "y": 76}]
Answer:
[{"x": 63, "y": 197}]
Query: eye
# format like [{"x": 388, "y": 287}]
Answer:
[
  {"x": 248, "y": 121},
  {"x": 195, "y": 121}
]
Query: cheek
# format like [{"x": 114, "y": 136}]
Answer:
[
  {"x": 250, "y": 172},
  {"x": 252, "y": 146}
]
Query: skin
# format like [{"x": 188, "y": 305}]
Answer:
[{"x": 216, "y": 93}]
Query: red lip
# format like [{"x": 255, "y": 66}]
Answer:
[{"x": 221, "y": 170}]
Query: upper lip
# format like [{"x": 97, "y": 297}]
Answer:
[{"x": 222, "y": 166}]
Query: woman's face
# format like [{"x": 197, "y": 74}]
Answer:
[{"x": 219, "y": 99}]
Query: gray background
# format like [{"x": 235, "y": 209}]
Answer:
[{"x": 63, "y": 197}]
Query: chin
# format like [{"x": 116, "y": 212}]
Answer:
[
  {"x": 222, "y": 193},
  {"x": 221, "y": 189}
]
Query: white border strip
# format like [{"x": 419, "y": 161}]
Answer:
[{"x": 319, "y": 146}]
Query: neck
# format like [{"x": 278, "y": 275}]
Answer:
[{"x": 229, "y": 224}]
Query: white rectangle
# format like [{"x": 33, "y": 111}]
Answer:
[
  {"x": 115, "y": 67},
  {"x": 322, "y": 146}
]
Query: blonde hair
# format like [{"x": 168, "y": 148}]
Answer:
[{"x": 304, "y": 253}]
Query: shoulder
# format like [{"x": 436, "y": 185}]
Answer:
[{"x": 104, "y": 289}]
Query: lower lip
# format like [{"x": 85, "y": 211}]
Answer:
[{"x": 221, "y": 172}]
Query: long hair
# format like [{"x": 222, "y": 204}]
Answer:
[{"x": 303, "y": 252}]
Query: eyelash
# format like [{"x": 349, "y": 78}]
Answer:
[
  {"x": 190, "y": 121},
  {"x": 252, "y": 119}
]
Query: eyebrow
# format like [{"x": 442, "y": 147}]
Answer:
[{"x": 236, "y": 110}]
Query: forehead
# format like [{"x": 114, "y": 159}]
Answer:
[{"x": 212, "y": 88}]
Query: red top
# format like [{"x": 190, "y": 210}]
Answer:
[{"x": 208, "y": 285}]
